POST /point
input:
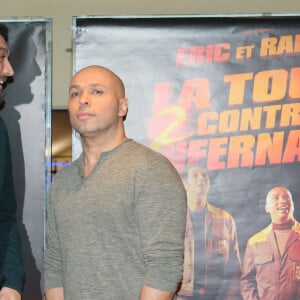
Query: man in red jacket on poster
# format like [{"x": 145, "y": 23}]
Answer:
[{"x": 271, "y": 266}]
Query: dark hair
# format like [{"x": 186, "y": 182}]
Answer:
[{"x": 4, "y": 31}]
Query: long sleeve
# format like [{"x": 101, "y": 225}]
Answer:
[
  {"x": 161, "y": 212},
  {"x": 248, "y": 281},
  {"x": 11, "y": 267},
  {"x": 234, "y": 265}
]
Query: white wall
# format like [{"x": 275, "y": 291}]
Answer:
[{"x": 62, "y": 11}]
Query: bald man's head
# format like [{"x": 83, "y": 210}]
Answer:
[
  {"x": 97, "y": 101},
  {"x": 106, "y": 74},
  {"x": 280, "y": 205},
  {"x": 103, "y": 75}
]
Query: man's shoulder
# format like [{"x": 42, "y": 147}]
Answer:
[
  {"x": 261, "y": 236},
  {"x": 218, "y": 213},
  {"x": 296, "y": 227},
  {"x": 138, "y": 147},
  {"x": 146, "y": 163},
  {"x": 148, "y": 156}
]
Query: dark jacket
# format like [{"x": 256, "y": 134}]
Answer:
[
  {"x": 222, "y": 259},
  {"x": 267, "y": 275},
  {"x": 11, "y": 270}
]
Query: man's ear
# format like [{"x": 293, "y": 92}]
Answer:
[
  {"x": 267, "y": 209},
  {"x": 123, "y": 108}
]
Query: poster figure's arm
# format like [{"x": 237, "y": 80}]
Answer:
[
  {"x": 234, "y": 265},
  {"x": 248, "y": 276}
]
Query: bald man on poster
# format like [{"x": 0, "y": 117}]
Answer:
[{"x": 271, "y": 265}]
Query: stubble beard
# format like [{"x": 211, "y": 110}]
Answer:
[
  {"x": 2, "y": 98},
  {"x": 91, "y": 128},
  {"x": 83, "y": 129},
  {"x": 80, "y": 129},
  {"x": 2, "y": 94}
]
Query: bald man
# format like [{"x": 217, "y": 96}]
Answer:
[
  {"x": 271, "y": 266},
  {"x": 116, "y": 215}
]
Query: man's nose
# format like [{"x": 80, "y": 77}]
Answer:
[
  {"x": 7, "y": 69},
  {"x": 282, "y": 200},
  {"x": 85, "y": 98}
]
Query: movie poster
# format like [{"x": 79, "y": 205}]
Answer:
[
  {"x": 220, "y": 93},
  {"x": 27, "y": 115}
]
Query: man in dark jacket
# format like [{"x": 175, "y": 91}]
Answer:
[
  {"x": 11, "y": 271},
  {"x": 211, "y": 255}
]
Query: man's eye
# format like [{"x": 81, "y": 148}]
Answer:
[
  {"x": 74, "y": 94},
  {"x": 97, "y": 92}
]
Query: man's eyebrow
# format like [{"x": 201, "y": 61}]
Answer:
[
  {"x": 93, "y": 85},
  {"x": 90, "y": 85},
  {"x": 74, "y": 86}
]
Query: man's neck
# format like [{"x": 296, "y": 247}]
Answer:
[
  {"x": 93, "y": 148},
  {"x": 283, "y": 226},
  {"x": 196, "y": 204}
]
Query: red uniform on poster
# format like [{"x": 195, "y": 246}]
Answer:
[{"x": 271, "y": 264}]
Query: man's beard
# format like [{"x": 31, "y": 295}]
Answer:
[
  {"x": 2, "y": 94},
  {"x": 2, "y": 98}
]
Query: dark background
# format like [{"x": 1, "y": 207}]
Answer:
[{"x": 142, "y": 51}]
